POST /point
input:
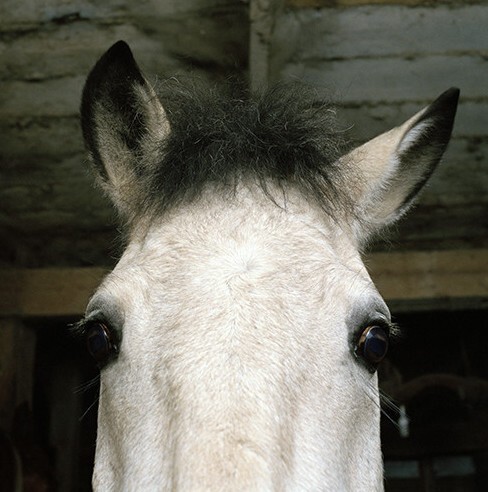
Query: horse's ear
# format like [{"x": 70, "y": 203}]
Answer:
[
  {"x": 392, "y": 168},
  {"x": 123, "y": 124}
]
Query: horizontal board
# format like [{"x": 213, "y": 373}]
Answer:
[
  {"x": 386, "y": 31},
  {"x": 71, "y": 245},
  {"x": 392, "y": 80},
  {"x": 70, "y": 49},
  {"x": 407, "y": 277},
  {"x": 368, "y": 120},
  {"x": 49, "y": 292},
  {"x": 355, "y": 3},
  {"x": 32, "y": 138},
  {"x": 55, "y": 97},
  {"x": 205, "y": 41},
  {"x": 28, "y": 14},
  {"x": 430, "y": 275}
]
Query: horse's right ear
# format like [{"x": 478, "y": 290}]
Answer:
[
  {"x": 123, "y": 124},
  {"x": 388, "y": 172}
]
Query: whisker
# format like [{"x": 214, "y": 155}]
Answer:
[
  {"x": 85, "y": 413},
  {"x": 388, "y": 402},
  {"x": 97, "y": 399},
  {"x": 87, "y": 385},
  {"x": 385, "y": 401},
  {"x": 391, "y": 419}
]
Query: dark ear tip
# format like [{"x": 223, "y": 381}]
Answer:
[
  {"x": 443, "y": 109},
  {"x": 119, "y": 50},
  {"x": 110, "y": 80},
  {"x": 451, "y": 96},
  {"x": 114, "y": 67},
  {"x": 447, "y": 101}
]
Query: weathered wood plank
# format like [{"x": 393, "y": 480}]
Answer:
[
  {"x": 407, "y": 277},
  {"x": 31, "y": 14},
  {"x": 371, "y": 120},
  {"x": 431, "y": 275},
  {"x": 355, "y": 3},
  {"x": 47, "y": 292},
  {"x": 390, "y": 30},
  {"x": 358, "y": 80}
]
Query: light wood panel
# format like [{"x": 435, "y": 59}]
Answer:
[{"x": 47, "y": 292}]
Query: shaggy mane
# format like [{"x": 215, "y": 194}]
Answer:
[{"x": 287, "y": 135}]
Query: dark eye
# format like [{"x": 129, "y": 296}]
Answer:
[
  {"x": 372, "y": 345},
  {"x": 101, "y": 342}
]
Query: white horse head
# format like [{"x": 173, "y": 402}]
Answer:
[{"x": 239, "y": 335}]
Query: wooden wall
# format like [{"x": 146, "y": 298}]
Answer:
[
  {"x": 50, "y": 213},
  {"x": 383, "y": 61}
]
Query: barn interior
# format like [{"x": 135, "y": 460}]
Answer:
[{"x": 382, "y": 61}]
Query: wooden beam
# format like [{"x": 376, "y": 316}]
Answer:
[
  {"x": 432, "y": 279},
  {"x": 407, "y": 280},
  {"x": 47, "y": 291},
  {"x": 356, "y": 3}
]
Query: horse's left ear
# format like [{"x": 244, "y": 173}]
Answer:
[
  {"x": 388, "y": 171},
  {"x": 123, "y": 125}
]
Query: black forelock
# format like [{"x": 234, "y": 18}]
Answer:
[{"x": 287, "y": 136}]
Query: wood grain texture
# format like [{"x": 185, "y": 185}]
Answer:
[
  {"x": 430, "y": 275},
  {"x": 47, "y": 292},
  {"x": 355, "y": 3}
]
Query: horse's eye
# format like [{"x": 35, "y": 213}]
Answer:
[
  {"x": 372, "y": 345},
  {"x": 101, "y": 342}
]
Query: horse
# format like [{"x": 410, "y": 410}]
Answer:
[{"x": 239, "y": 335}]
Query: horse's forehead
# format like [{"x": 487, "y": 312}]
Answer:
[
  {"x": 258, "y": 239},
  {"x": 247, "y": 224}
]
